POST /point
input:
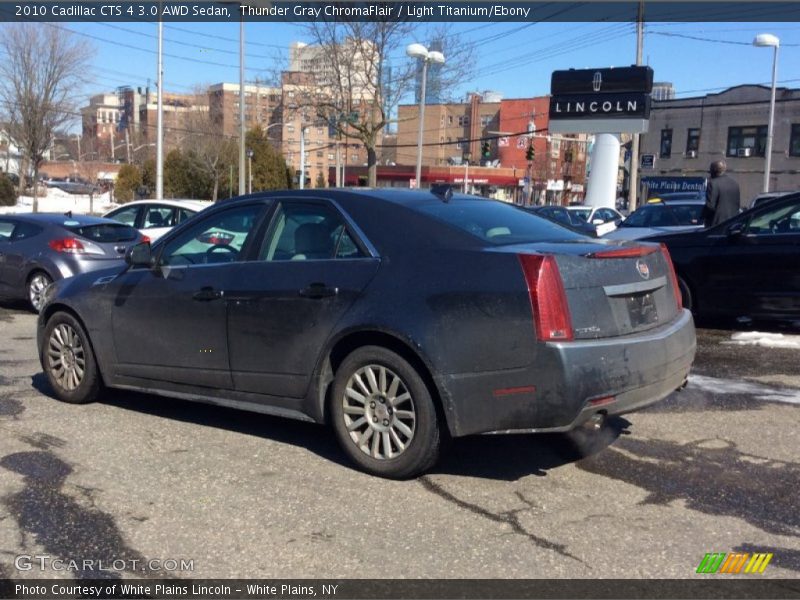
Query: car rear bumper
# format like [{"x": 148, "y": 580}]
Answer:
[{"x": 570, "y": 382}]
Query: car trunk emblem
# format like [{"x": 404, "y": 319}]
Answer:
[{"x": 643, "y": 269}]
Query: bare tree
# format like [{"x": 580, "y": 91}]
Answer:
[
  {"x": 205, "y": 142},
  {"x": 39, "y": 78},
  {"x": 357, "y": 90}
]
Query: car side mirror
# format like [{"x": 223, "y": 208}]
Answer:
[
  {"x": 736, "y": 230},
  {"x": 597, "y": 221},
  {"x": 139, "y": 255}
]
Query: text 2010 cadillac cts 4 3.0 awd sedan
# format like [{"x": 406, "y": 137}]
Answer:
[{"x": 399, "y": 317}]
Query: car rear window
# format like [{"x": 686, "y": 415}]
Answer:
[
  {"x": 497, "y": 223},
  {"x": 104, "y": 233}
]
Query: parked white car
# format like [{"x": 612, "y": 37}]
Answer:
[
  {"x": 603, "y": 218},
  {"x": 154, "y": 218}
]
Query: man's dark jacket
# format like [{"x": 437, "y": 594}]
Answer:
[{"x": 722, "y": 200}]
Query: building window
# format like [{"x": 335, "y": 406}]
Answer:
[
  {"x": 319, "y": 154},
  {"x": 441, "y": 121},
  {"x": 460, "y": 144},
  {"x": 450, "y": 120},
  {"x": 747, "y": 141},
  {"x": 486, "y": 120},
  {"x": 666, "y": 143},
  {"x": 794, "y": 141},
  {"x": 354, "y": 157},
  {"x": 330, "y": 156},
  {"x": 463, "y": 121},
  {"x": 692, "y": 142}
]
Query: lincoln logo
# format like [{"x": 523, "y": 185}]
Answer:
[
  {"x": 643, "y": 269},
  {"x": 597, "y": 81}
]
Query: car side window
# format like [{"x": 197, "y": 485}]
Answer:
[
  {"x": 158, "y": 216},
  {"x": 662, "y": 218},
  {"x": 785, "y": 219},
  {"x": 126, "y": 215},
  {"x": 219, "y": 238},
  {"x": 24, "y": 231},
  {"x": 308, "y": 232},
  {"x": 184, "y": 214}
]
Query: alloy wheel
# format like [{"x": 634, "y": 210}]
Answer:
[
  {"x": 38, "y": 284},
  {"x": 66, "y": 357},
  {"x": 379, "y": 412}
]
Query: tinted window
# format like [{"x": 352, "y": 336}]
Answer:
[
  {"x": 688, "y": 214},
  {"x": 640, "y": 217},
  {"x": 308, "y": 232},
  {"x": 104, "y": 233},
  {"x": 497, "y": 223},
  {"x": 216, "y": 239},
  {"x": 582, "y": 213},
  {"x": 25, "y": 230}
]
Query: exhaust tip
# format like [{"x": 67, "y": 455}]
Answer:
[{"x": 595, "y": 422}]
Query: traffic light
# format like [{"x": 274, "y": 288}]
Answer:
[
  {"x": 486, "y": 150},
  {"x": 531, "y": 153}
]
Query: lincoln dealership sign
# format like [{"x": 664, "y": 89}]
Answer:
[
  {"x": 620, "y": 105},
  {"x": 601, "y": 100}
]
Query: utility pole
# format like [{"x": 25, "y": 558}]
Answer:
[
  {"x": 633, "y": 180},
  {"x": 160, "y": 112},
  {"x": 242, "y": 97},
  {"x": 338, "y": 165},
  {"x": 303, "y": 156}
]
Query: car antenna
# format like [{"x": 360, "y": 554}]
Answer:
[
  {"x": 443, "y": 191},
  {"x": 68, "y": 214}
]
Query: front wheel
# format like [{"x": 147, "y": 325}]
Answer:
[
  {"x": 68, "y": 360},
  {"x": 383, "y": 414}
]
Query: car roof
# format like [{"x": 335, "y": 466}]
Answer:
[
  {"x": 195, "y": 204},
  {"x": 59, "y": 219}
]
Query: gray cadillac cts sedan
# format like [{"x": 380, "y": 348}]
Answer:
[{"x": 398, "y": 317}]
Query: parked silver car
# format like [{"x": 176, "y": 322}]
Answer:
[{"x": 38, "y": 249}]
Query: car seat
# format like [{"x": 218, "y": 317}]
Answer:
[{"x": 312, "y": 241}]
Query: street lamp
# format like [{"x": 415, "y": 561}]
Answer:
[
  {"x": 426, "y": 56},
  {"x": 766, "y": 40},
  {"x": 250, "y": 171}
]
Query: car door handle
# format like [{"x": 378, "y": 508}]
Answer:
[
  {"x": 207, "y": 294},
  {"x": 318, "y": 290}
]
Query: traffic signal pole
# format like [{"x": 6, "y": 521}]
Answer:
[{"x": 633, "y": 179}]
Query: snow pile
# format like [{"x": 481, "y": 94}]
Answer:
[
  {"x": 729, "y": 386},
  {"x": 767, "y": 340},
  {"x": 59, "y": 201}
]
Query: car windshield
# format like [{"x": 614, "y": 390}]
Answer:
[
  {"x": 497, "y": 223},
  {"x": 663, "y": 215},
  {"x": 104, "y": 232}
]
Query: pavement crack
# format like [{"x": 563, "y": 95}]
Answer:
[{"x": 509, "y": 517}]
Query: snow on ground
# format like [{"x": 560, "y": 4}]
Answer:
[
  {"x": 59, "y": 201},
  {"x": 730, "y": 386},
  {"x": 768, "y": 340}
]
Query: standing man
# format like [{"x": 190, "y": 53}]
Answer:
[{"x": 722, "y": 195}]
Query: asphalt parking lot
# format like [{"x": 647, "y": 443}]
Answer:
[{"x": 714, "y": 468}]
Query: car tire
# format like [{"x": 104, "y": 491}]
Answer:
[
  {"x": 686, "y": 294},
  {"x": 68, "y": 360},
  {"x": 37, "y": 284},
  {"x": 383, "y": 415}
]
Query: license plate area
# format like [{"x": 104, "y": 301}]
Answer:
[{"x": 642, "y": 310}]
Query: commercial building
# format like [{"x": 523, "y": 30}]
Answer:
[
  {"x": 686, "y": 135},
  {"x": 456, "y": 132}
]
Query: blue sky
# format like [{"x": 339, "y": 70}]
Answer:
[{"x": 515, "y": 59}]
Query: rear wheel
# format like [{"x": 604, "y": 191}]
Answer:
[
  {"x": 69, "y": 361},
  {"x": 37, "y": 284},
  {"x": 383, "y": 414}
]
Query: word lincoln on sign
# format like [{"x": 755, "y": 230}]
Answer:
[{"x": 575, "y": 106}]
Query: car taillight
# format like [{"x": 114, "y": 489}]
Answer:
[
  {"x": 145, "y": 240},
  {"x": 67, "y": 245},
  {"x": 626, "y": 252},
  {"x": 548, "y": 298},
  {"x": 673, "y": 278}
]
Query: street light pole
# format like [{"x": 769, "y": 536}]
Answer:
[
  {"x": 426, "y": 56},
  {"x": 242, "y": 97},
  {"x": 160, "y": 114},
  {"x": 250, "y": 171},
  {"x": 303, "y": 157},
  {"x": 765, "y": 40}
]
